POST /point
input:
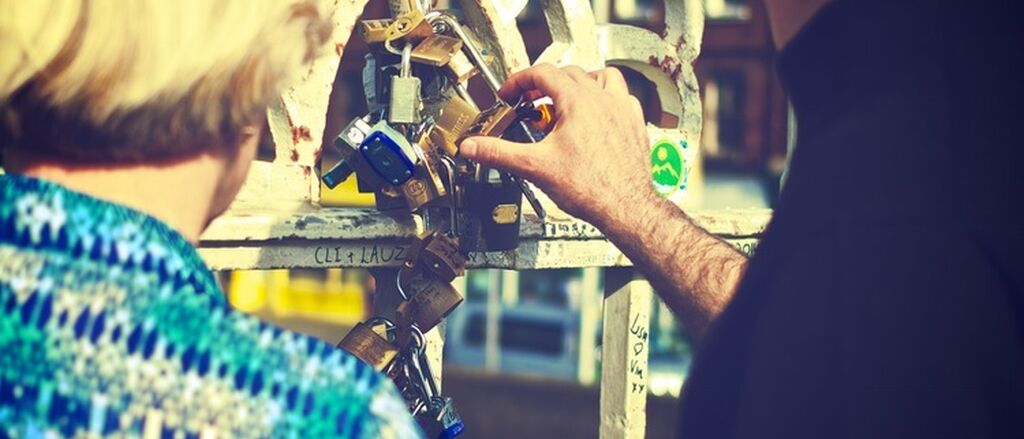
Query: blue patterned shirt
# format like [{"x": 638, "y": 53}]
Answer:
[{"x": 111, "y": 325}]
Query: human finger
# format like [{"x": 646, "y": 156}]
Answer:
[
  {"x": 517, "y": 158},
  {"x": 544, "y": 78}
]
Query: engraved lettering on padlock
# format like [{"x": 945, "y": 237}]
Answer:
[
  {"x": 375, "y": 31},
  {"x": 455, "y": 119},
  {"x": 417, "y": 193},
  {"x": 366, "y": 344},
  {"x": 432, "y": 301},
  {"x": 405, "y": 93},
  {"x": 441, "y": 256},
  {"x": 505, "y": 213},
  {"x": 436, "y": 50}
]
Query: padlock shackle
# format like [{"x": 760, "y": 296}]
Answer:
[
  {"x": 448, "y": 20},
  {"x": 449, "y": 166}
]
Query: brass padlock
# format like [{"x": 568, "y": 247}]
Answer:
[
  {"x": 419, "y": 190},
  {"x": 436, "y": 50},
  {"x": 438, "y": 254},
  {"x": 441, "y": 256},
  {"x": 375, "y": 31},
  {"x": 366, "y": 343},
  {"x": 455, "y": 119},
  {"x": 492, "y": 122},
  {"x": 411, "y": 26},
  {"x": 461, "y": 68},
  {"x": 430, "y": 302},
  {"x": 389, "y": 197}
]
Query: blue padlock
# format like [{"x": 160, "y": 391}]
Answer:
[
  {"x": 389, "y": 153},
  {"x": 440, "y": 419}
]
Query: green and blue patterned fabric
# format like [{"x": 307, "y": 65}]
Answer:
[{"x": 111, "y": 325}]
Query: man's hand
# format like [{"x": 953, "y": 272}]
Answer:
[{"x": 594, "y": 164}]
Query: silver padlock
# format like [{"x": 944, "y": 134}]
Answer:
[{"x": 405, "y": 93}]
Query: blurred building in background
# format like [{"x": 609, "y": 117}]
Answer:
[{"x": 545, "y": 324}]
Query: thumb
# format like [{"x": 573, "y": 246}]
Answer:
[{"x": 498, "y": 153}]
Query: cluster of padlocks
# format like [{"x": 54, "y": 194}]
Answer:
[{"x": 406, "y": 152}]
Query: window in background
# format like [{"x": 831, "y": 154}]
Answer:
[
  {"x": 724, "y": 101},
  {"x": 638, "y": 10},
  {"x": 727, "y": 9},
  {"x": 559, "y": 288}
]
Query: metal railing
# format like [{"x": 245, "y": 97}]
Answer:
[{"x": 276, "y": 223}]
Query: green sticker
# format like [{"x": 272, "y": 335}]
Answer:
[{"x": 666, "y": 167}]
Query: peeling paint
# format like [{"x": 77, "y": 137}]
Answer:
[
  {"x": 300, "y": 133},
  {"x": 671, "y": 67}
]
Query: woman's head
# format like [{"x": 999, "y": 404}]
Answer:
[{"x": 143, "y": 81}]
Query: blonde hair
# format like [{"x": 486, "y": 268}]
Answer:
[{"x": 138, "y": 80}]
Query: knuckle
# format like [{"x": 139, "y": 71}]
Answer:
[{"x": 614, "y": 73}]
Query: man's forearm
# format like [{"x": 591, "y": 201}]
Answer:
[{"x": 694, "y": 272}]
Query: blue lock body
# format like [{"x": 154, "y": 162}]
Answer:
[{"x": 389, "y": 154}]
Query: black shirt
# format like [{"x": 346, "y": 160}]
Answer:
[{"x": 886, "y": 296}]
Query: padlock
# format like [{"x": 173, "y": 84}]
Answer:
[
  {"x": 461, "y": 68},
  {"x": 439, "y": 254},
  {"x": 347, "y": 143},
  {"x": 389, "y": 198},
  {"x": 365, "y": 343},
  {"x": 410, "y": 26},
  {"x": 497, "y": 205},
  {"x": 454, "y": 120},
  {"x": 389, "y": 154},
  {"x": 492, "y": 122},
  {"x": 419, "y": 190},
  {"x": 436, "y": 50},
  {"x": 375, "y": 31},
  {"x": 430, "y": 301},
  {"x": 439, "y": 419},
  {"x": 405, "y": 93}
]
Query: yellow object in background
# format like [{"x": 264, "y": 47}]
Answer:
[
  {"x": 325, "y": 295},
  {"x": 345, "y": 194}
]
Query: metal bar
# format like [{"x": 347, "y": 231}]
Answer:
[
  {"x": 590, "y": 309},
  {"x": 627, "y": 311}
]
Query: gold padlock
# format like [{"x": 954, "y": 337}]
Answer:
[
  {"x": 437, "y": 254},
  {"x": 419, "y": 191},
  {"x": 375, "y": 31},
  {"x": 366, "y": 343},
  {"x": 432, "y": 167},
  {"x": 455, "y": 119},
  {"x": 431, "y": 301},
  {"x": 492, "y": 122},
  {"x": 436, "y": 50},
  {"x": 461, "y": 68},
  {"x": 411, "y": 26},
  {"x": 441, "y": 256}
]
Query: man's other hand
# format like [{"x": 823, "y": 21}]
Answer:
[{"x": 594, "y": 164}]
